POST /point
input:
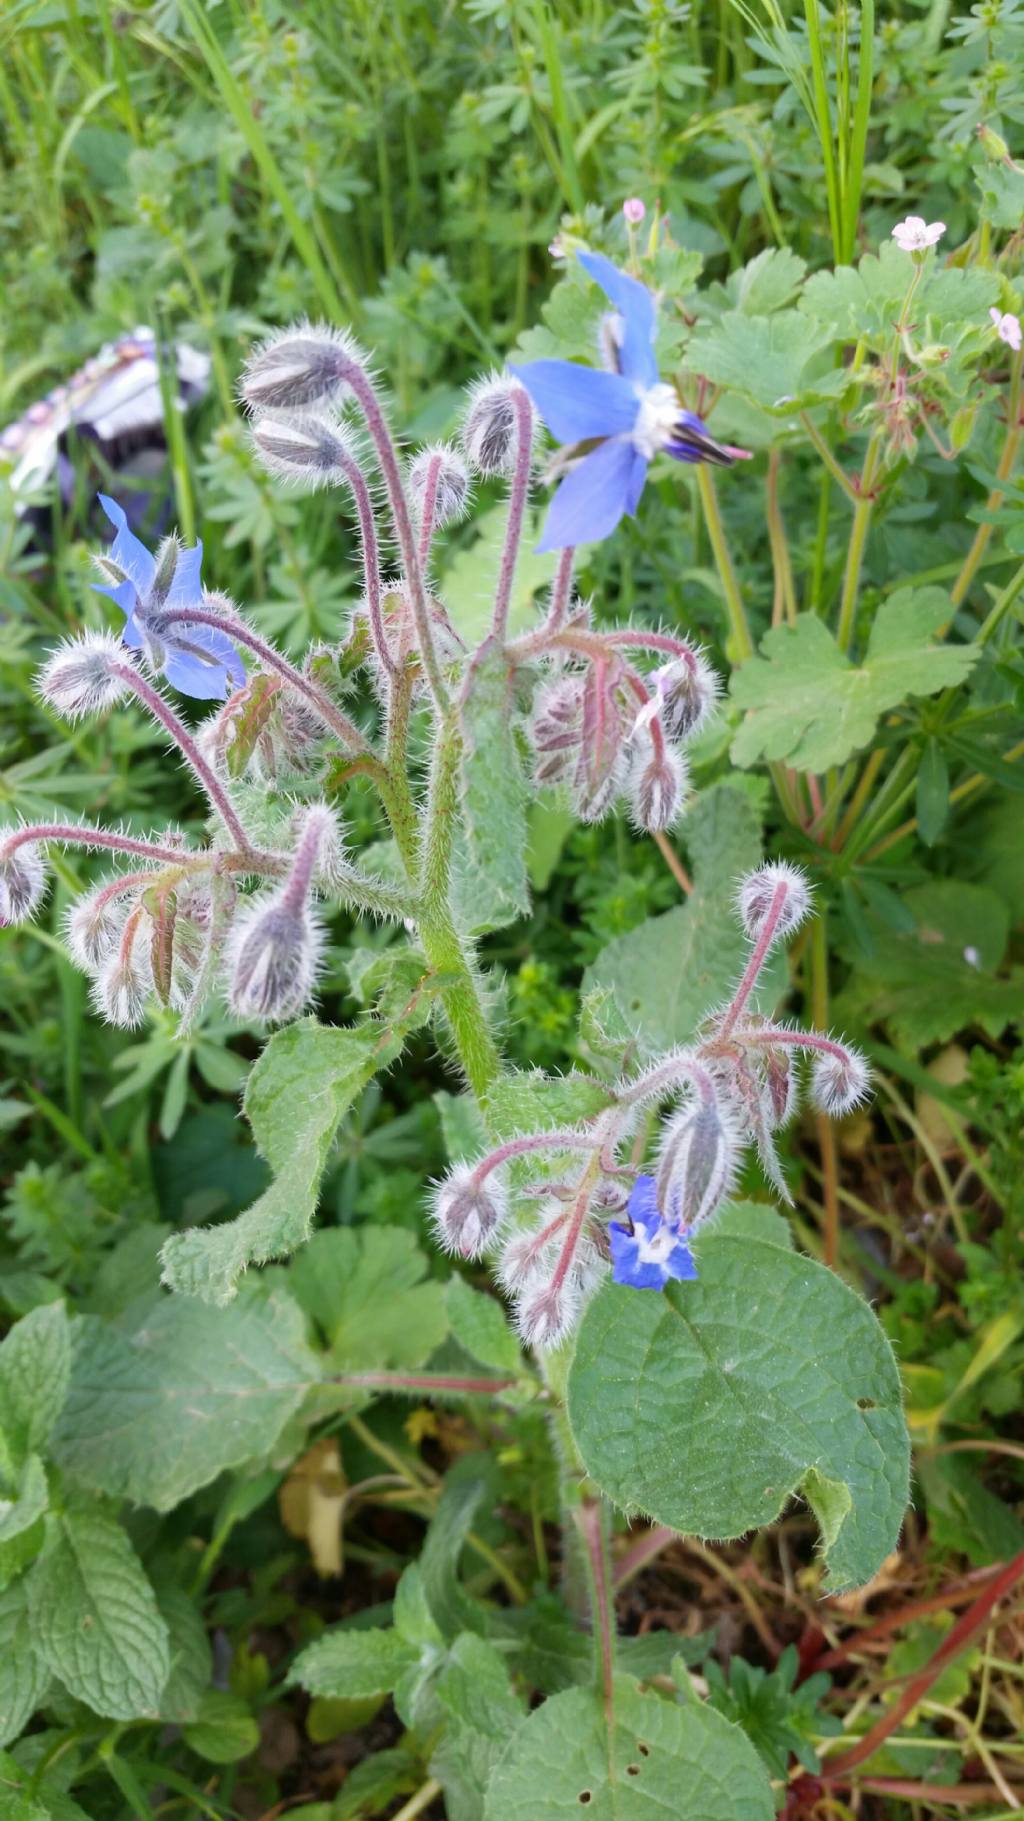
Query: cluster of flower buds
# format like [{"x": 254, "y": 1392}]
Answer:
[
  {"x": 736, "y": 1085},
  {"x": 604, "y": 730}
]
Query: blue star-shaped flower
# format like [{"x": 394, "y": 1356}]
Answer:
[
  {"x": 653, "y": 1253},
  {"x": 630, "y": 414},
  {"x": 198, "y": 660}
]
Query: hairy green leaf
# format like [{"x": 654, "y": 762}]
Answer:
[
  {"x": 35, "y": 1361},
  {"x": 154, "y": 1413},
  {"x": 494, "y": 798},
  {"x": 23, "y": 1673},
  {"x": 709, "y": 1406},
  {"x": 348, "y": 1665},
  {"x": 97, "y": 1625},
  {"x": 646, "y": 1760}
]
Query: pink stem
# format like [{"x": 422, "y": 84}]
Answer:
[
  {"x": 427, "y": 509},
  {"x": 560, "y": 590},
  {"x": 757, "y": 959},
  {"x": 654, "y": 641},
  {"x": 371, "y": 560},
  {"x": 572, "y": 1238},
  {"x": 539, "y": 1141},
  {"x": 153, "y": 700},
  {"x": 117, "y": 887},
  {"x": 516, "y": 508},
  {"x": 70, "y": 836},
  {"x": 296, "y": 889},
  {"x": 654, "y": 727},
  {"x": 353, "y": 375},
  {"x": 271, "y": 657},
  {"x": 667, "y": 1075},
  {"x": 803, "y": 1040}
]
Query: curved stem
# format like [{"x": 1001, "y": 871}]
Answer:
[
  {"x": 538, "y": 1141},
  {"x": 561, "y": 588},
  {"x": 838, "y": 474},
  {"x": 237, "y": 630},
  {"x": 204, "y": 775},
  {"x": 757, "y": 960},
  {"x": 371, "y": 559},
  {"x": 516, "y": 508},
  {"x": 376, "y": 423},
  {"x": 983, "y": 535},
  {"x": 428, "y": 506},
  {"x": 69, "y": 835}
]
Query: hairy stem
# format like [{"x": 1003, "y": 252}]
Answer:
[
  {"x": 237, "y": 630},
  {"x": 69, "y": 835},
  {"x": 516, "y": 508},
  {"x": 201, "y": 771},
  {"x": 757, "y": 960},
  {"x": 371, "y": 559}
]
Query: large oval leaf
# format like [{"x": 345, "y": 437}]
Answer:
[
  {"x": 654, "y": 1759},
  {"x": 709, "y": 1405}
]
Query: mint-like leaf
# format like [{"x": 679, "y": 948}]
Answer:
[{"x": 96, "y": 1622}]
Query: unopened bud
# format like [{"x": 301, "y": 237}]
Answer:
[
  {"x": 593, "y": 800},
  {"x": 166, "y": 564},
  {"x": 697, "y": 1165},
  {"x": 634, "y": 210},
  {"x": 467, "y": 1213},
  {"x": 272, "y": 958},
  {"x": 961, "y": 427},
  {"x": 22, "y": 879},
  {"x": 839, "y": 1082},
  {"x": 93, "y": 927},
  {"x": 778, "y": 896},
  {"x": 451, "y": 483},
  {"x": 685, "y": 694},
  {"x": 779, "y": 1088},
  {"x": 122, "y": 986},
  {"x": 656, "y": 790},
  {"x": 80, "y": 676},
  {"x": 545, "y": 1317},
  {"x": 304, "y": 448},
  {"x": 489, "y": 432},
  {"x": 993, "y": 144},
  {"x": 555, "y": 728},
  {"x": 301, "y": 366}
]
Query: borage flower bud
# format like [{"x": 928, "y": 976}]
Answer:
[
  {"x": 555, "y": 728},
  {"x": 489, "y": 432},
  {"x": 779, "y": 1088},
  {"x": 22, "y": 878},
  {"x": 685, "y": 694},
  {"x": 776, "y": 898},
  {"x": 123, "y": 984},
  {"x": 546, "y": 1316},
  {"x": 467, "y": 1213},
  {"x": 93, "y": 926},
  {"x": 840, "y": 1081},
  {"x": 656, "y": 790},
  {"x": 697, "y": 1164},
  {"x": 301, "y": 366},
  {"x": 273, "y": 952},
  {"x": 306, "y": 448},
  {"x": 451, "y": 482},
  {"x": 80, "y": 675}
]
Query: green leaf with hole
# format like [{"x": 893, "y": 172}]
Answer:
[
  {"x": 646, "y": 1760},
  {"x": 710, "y": 1405}
]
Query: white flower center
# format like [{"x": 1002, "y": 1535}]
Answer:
[
  {"x": 656, "y": 419},
  {"x": 654, "y": 1251}
]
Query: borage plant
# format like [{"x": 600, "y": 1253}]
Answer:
[{"x": 695, "y": 1367}]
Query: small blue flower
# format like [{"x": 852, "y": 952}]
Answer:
[
  {"x": 198, "y": 660},
  {"x": 630, "y": 414},
  {"x": 653, "y": 1253}
]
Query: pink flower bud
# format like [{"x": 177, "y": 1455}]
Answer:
[
  {"x": 123, "y": 984},
  {"x": 451, "y": 495},
  {"x": 775, "y": 884},
  {"x": 839, "y": 1082},
  {"x": 489, "y": 432},
  {"x": 685, "y": 695},
  {"x": 298, "y": 367},
  {"x": 93, "y": 926},
  {"x": 555, "y": 728},
  {"x": 779, "y": 1087},
  {"x": 273, "y": 952},
  {"x": 79, "y": 677},
  {"x": 468, "y": 1213},
  {"x": 22, "y": 879},
  {"x": 634, "y": 210},
  {"x": 697, "y": 1165},
  {"x": 304, "y": 448},
  {"x": 656, "y": 790},
  {"x": 547, "y": 1316}
]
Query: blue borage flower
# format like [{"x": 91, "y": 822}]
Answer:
[
  {"x": 653, "y": 1253},
  {"x": 620, "y": 419},
  {"x": 198, "y": 660}
]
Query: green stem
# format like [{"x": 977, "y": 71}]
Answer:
[
  {"x": 826, "y": 1133},
  {"x": 855, "y": 553},
  {"x": 983, "y": 534},
  {"x": 441, "y": 944},
  {"x": 838, "y": 474},
  {"x": 741, "y": 639}
]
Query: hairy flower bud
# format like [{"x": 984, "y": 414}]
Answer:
[
  {"x": 697, "y": 1164},
  {"x": 273, "y": 953},
  {"x": 555, "y": 728},
  {"x": 779, "y": 884},
  {"x": 298, "y": 367},
  {"x": 304, "y": 447},
  {"x": 489, "y": 431},
  {"x": 451, "y": 485},
  {"x": 123, "y": 984},
  {"x": 546, "y": 1316},
  {"x": 685, "y": 694},
  {"x": 79, "y": 676},
  {"x": 22, "y": 879},
  {"x": 656, "y": 790},
  {"x": 466, "y": 1213},
  {"x": 839, "y": 1082},
  {"x": 780, "y": 1087},
  {"x": 93, "y": 926}
]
